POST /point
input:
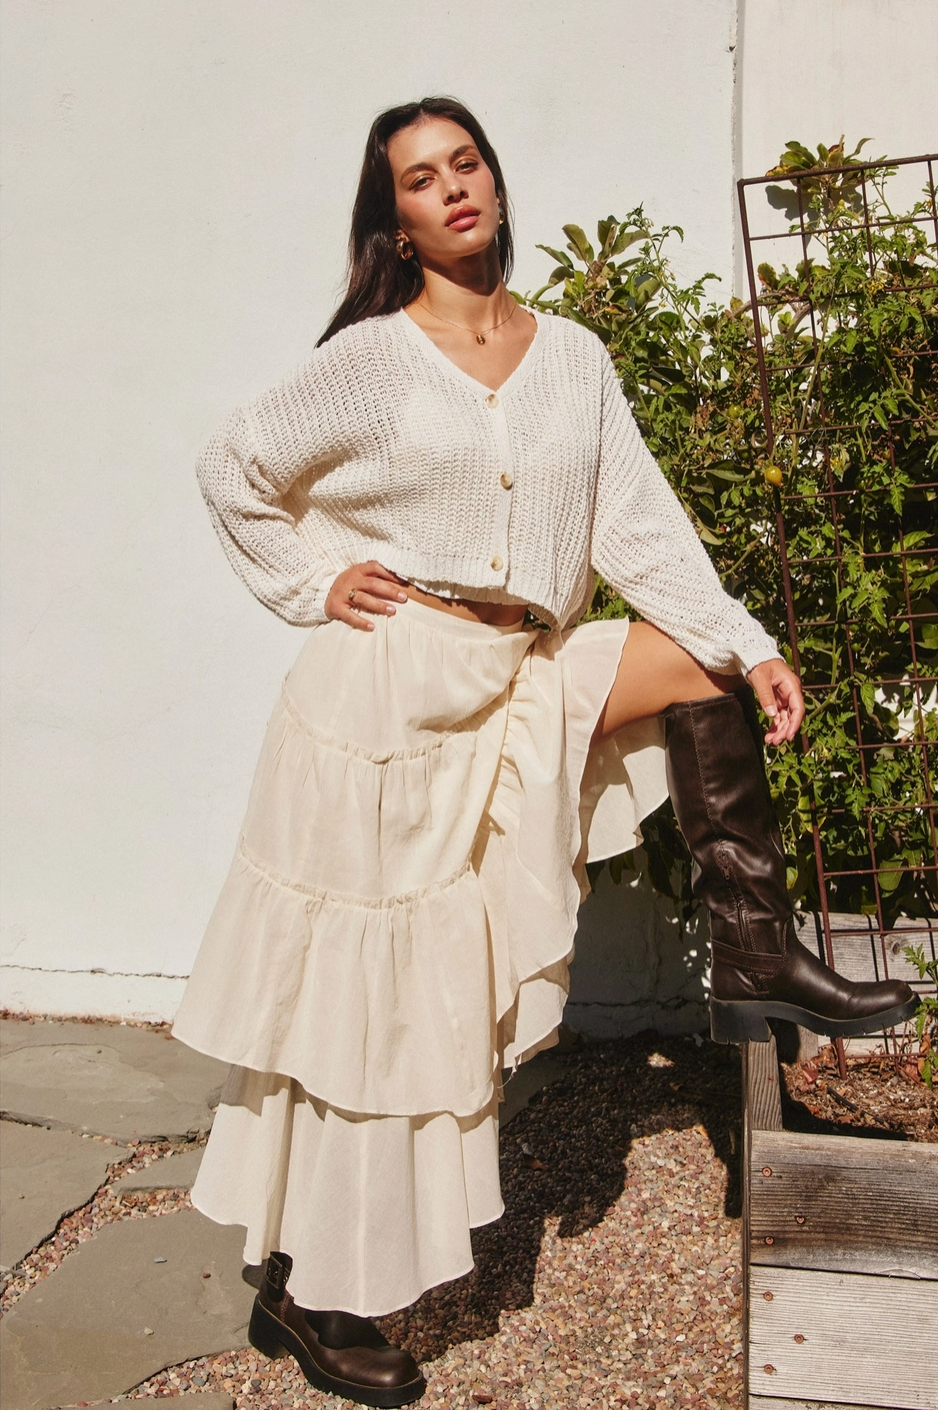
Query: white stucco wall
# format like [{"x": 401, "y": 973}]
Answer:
[
  {"x": 177, "y": 184},
  {"x": 177, "y": 189},
  {"x": 813, "y": 70}
]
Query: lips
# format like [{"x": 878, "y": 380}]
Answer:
[{"x": 463, "y": 218}]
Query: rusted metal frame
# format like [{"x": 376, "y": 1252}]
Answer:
[
  {"x": 919, "y": 708},
  {"x": 822, "y": 229},
  {"x": 847, "y": 425},
  {"x": 831, "y": 494},
  {"x": 810, "y": 431},
  {"x": 777, "y": 236},
  {"x": 881, "y": 809},
  {"x": 786, "y": 584},
  {"x": 854, "y": 167},
  {"x": 931, "y": 186},
  {"x": 818, "y": 847},
  {"x": 878, "y": 808},
  {"x": 868, "y": 871},
  {"x": 876, "y": 553},
  {"x": 866, "y": 227},
  {"x": 889, "y": 680},
  {"x": 833, "y": 621},
  {"x": 783, "y": 553},
  {"x": 895, "y": 744}
]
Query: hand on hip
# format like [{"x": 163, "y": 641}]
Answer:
[{"x": 363, "y": 588}]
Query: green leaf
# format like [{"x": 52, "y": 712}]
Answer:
[
  {"x": 579, "y": 244},
  {"x": 559, "y": 255},
  {"x": 625, "y": 238}
]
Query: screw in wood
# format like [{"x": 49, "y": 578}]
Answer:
[
  {"x": 799, "y": 1219},
  {"x": 768, "y": 1296},
  {"x": 767, "y": 1170},
  {"x": 769, "y": 1238},
  {"x": 769, "y": 1370},
  {"x": 799, "y": 1338}
]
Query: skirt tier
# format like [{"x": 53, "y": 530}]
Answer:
[{"x": 396, "y": 930}]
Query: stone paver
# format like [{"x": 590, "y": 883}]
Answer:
[
  {"x": 129, "y": 1083},
  {"x": 44, "y": 1175},
  {"x": 128, "y": 1303},
  {"x": 195, "y": 1400},
  {"x": 173, "y": 1172}
]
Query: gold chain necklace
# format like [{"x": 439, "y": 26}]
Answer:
[{"x": 479, "y": 337}]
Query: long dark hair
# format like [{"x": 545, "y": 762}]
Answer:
[{"x": 379, "y": 281}]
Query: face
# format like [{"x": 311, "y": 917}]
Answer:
[{"x": 446, "y": 199}]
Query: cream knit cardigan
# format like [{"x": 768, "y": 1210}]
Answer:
[{"x": 379, "y": 447}]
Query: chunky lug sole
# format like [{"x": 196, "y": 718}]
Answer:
[
  {"x": 745, "y": 1020},
  {"x": 274, "y": 1338}
]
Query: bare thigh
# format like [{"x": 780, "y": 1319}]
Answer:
[{"x": 654, "y": 672}]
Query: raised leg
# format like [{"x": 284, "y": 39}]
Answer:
[
  {"x": 654, "y": 672},
  {"x": 716, "y": 778},
  {"x": 759, "y": 968}
]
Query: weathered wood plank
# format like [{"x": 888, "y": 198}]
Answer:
[
  {"x": 763, "y": 1102},
  {"x": 858, "y": 949},
  {"x": 766, "y": 1402},
  {"x": 843, "y": 1336},
  {"x": 843, "y": 1203}
]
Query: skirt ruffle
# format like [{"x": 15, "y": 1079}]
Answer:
[{"x": 396, "y": 929}]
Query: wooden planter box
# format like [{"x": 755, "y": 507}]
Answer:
[{"x": 840, "y": 1242}]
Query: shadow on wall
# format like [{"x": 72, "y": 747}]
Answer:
[{"x": 637, "y": 966}]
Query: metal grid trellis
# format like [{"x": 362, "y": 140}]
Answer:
[{"x": 857, "y": 507}]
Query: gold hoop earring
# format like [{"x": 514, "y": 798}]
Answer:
[
  {"x": 405, "y": 249},
  {"x": 501, "y": 214}
]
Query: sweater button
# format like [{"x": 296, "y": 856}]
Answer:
[
  {"x": 492, "y": 400},
  {"x": 497, "y": 564},
  {"x": 507, "y": 479}
]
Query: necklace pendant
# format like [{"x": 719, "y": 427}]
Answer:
[{"x": 479, "y": 338}]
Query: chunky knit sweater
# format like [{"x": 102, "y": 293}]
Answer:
[{"x": 379, "y": 447}]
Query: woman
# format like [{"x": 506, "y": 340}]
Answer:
[{"x": 396, "y": 926}]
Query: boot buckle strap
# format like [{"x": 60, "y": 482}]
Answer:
[
  {"x": 278, "y": 1271},
  {"x": 746, "y": 959}
]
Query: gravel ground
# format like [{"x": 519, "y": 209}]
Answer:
[{"x": 612, "y": 1280}]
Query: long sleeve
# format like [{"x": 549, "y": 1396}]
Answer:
[
  {"x": 645, "y": 546},
  {"x": 246, "y": 473}
]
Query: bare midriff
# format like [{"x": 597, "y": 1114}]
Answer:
[{"x": 496, "y": 614}]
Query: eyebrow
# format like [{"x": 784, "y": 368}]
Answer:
[{"x": 426, "y": 166}]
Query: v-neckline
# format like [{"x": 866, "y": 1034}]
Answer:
[{"x": 423, "y": 340}]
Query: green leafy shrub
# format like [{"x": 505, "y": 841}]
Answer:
[
  {"x": 855, "y": 406},
  {"x": 925, "y": 1022}
]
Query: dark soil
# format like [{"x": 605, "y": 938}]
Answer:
[{"x": 881, "y": 1095}]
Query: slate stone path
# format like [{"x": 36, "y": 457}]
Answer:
[{"x": 141, "y": 1294}]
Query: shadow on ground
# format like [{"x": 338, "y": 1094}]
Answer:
[{"x": 565, "y": 1156}]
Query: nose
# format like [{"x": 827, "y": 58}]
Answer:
[{"x": 455, "y": 190}]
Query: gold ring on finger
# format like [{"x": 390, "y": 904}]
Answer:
[{"x": 351, "y": 594}]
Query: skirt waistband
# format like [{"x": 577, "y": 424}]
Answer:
[{"x": 437, "y": 619}]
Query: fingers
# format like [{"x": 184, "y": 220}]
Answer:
[
  {"x": 378, "y": 570},
  {"x": 362, "y": 589},
  {"x": 779, "y": 693}
]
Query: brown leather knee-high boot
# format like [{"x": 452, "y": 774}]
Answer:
[
  {"x": 337, "y": 1352},
  {"x": 759, "y": 969}
]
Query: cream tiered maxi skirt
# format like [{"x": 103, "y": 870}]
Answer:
[{"x": 395, "y": 931}]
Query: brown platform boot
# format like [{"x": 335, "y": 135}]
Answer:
[
  {"x": 759, "y": 969},
  {"x": 338, "y": 1352}
]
